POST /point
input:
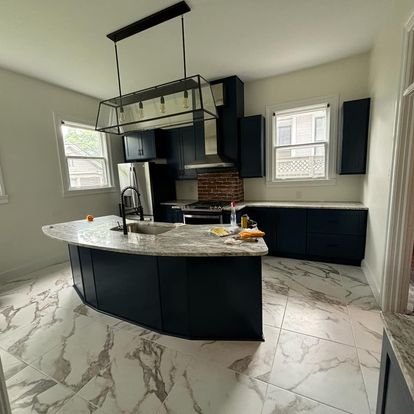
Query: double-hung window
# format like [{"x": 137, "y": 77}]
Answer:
[
  {"x": 301, "y": 143},
  {"x": 85, "y": 158}
]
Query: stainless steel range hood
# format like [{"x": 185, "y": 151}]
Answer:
[{"x": 212, "y": 159}]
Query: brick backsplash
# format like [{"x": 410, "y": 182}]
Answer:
[{"x": 225, "y": 186}]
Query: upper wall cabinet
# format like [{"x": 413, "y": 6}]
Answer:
[
  {"x": 229, "y": 115},
  {"x": 140, "y": 146},
  {"x": 355, "y": 117},
  {"x": 252, "y": 146}
]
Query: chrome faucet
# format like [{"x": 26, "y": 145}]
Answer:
[{"x": 140, "y": 209}]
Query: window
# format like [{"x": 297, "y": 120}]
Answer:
[
  {"x": 85, "y": 158},
  {"x": 3, "y": 196},
  {"x": 300, "y": 143}
]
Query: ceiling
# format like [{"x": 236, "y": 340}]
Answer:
[{"x": 64, "y": 42}]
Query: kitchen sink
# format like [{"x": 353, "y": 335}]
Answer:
[{"x": 147, "y": 228}]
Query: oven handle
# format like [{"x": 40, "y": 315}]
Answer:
[{"x": 200, "y": 216}]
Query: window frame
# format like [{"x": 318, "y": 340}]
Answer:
[
  {"x": 331, "y": 159},
  {"x": 4, "y": 198},
  {"x": 67, "y": 190}
]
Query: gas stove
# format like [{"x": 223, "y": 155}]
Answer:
[
  {"x": 206, "y": 206},
  {"x": 204, "y": 212}
]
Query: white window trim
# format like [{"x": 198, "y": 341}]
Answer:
[
  {"x": 333, "y": 102},
  {"x": 66, "y": 190},
  {"x": 4, "y": 198}
]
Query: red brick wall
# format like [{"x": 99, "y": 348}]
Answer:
[{"x": 225, "y": 186}]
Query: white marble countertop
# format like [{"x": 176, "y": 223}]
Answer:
[
  {"x": 182, "y": 240},
  {"x": 302, "y": 204},
  {"x": 282, "y": 204},
  {"x": 400, "y": 332}
]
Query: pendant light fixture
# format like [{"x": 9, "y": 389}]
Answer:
[{"x": 177, "y": 103}]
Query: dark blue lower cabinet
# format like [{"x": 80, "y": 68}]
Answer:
[
  {"x": 394, "y": 397},
  {"x": 331, "y": 235},
  {"x": 191, "y": 297}
]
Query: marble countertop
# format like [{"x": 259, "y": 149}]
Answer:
[
  {"x": 302, "y": 204},
  {"x": 281, "y": 204},
  {"x": 400, "y": 332},
  {"x": 182, "y": 240}
]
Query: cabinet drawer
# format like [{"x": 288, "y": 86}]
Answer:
[
  {"x": 337, "y": 221},
  {"x": 336, "y": 246}
]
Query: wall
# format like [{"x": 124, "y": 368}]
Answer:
[
  {"x": 30, "y": 165},
  {"x": 220, "y": 186},
  {"x": 347, "y": 78},
  {"x": 385, "y": 66}
]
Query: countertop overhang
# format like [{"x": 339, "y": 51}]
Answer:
[{"x": 183, "y": 240}]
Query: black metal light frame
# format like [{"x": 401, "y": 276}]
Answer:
[{"x": 184, "y": 85}]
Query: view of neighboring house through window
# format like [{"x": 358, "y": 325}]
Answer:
[
  {"x": 300, "y": 143},
  {"x": 86, "y": 157}
]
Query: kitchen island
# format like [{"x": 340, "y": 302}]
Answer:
[{"x": 172, "y": 278}]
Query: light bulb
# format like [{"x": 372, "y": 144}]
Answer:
[
  {"x": 185, "y": 100},
  {"x": 121, "y": 115},
  {"x": 141, "y": 110},
  {"x": 162, "y": 105}
]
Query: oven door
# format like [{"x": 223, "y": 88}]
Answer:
[{"x": 199, "y": 218}]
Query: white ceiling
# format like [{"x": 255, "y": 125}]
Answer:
[{"x": 64, "y": 42}]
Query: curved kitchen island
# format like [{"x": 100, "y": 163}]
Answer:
[{"x": 174, "y": 279}]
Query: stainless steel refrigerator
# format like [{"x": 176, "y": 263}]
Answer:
[{"x": 154, "y": 183}]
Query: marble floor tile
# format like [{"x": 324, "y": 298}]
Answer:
[
  {"x": 319, "y": 319},
  {"x": 32, "y": 392},
  {"x": 31, "y": 341},
  {"x": 359, "y": 295},
  {"x": 280, "y": 401},
  {"x": 274, "y": 306},
  {"x": 132, "y": 328},
  {"x": 322, "y": 370},
  {"x": 77, "y": 405},
  {"x": 11, "y": 365},
  {"x": 321, "y": 287},
  {"x": 254, "y": 359},
  {"x": 368, "y": 329},
  {"x": 81, "y": 356},
  {"x": 137, "y": 382},
  {"x": 185, "y": 346},
  {"x": 354, "y": 273},
  {"x": 370, "y": 367},
  {"x": 86, "y": 310},
  {"x": 209, "y": 389}
]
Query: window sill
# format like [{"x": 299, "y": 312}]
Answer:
[
  {"x": 302, "y": 183},
  {"x": 4, "y": 199},
  {"x": 88, "y": 191}
]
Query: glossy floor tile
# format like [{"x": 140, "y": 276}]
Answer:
[
  {"x": 322, "y": 370},
  {"x": 322, "y": 330}
]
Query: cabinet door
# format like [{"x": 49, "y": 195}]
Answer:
[
  {"x": 127, "y": 286},
  {"x": 133, "y": 147},
  {"x": 355, "y": 136},
  {"x": 148, "y": 145},
  {"x": 266, "y": 219},
  {"x": 291, "y": 231},
  {"x": 188, "y": 149},
  {"x": 252, "y": 147}
]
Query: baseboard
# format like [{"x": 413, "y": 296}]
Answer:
[
  {"x": 34, "y": 266},
  {"x": 372, "y": 281}
]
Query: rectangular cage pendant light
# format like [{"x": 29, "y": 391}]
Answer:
[{"x": 178, "y": 103}]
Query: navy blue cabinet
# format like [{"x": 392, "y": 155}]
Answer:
[
  {"x": 171, "y": 214},
  {"x": 355, "y": 136},
  {"x": 140, "y": 146},
  {"x": 229, "y": 116},
  {"x": 330, "y": 235},
  {"x": 184, "y": 146},
  {"x": 252, "y": 146}
]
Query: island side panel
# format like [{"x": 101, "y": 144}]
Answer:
[
  {"x": 127, "y": 286},
  {"x": 225, "y": 297},
  {"x": 174, "y": 293},
  {"x": 76, "y": 269}
]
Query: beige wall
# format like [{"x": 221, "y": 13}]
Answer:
[
  {"x": 30, "y": 165},
  {"x": 347, "y": 78},
  {"x": 385, "y": 66}
]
